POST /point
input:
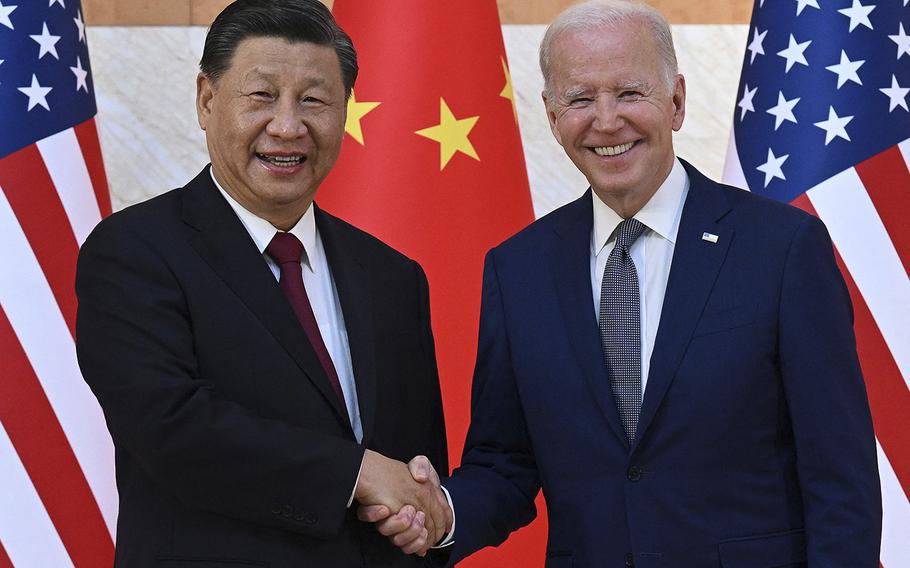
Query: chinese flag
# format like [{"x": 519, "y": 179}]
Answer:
[{"x": 432, "y": 164}]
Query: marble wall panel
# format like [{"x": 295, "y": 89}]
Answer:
[{"x": 145, "y": 86}]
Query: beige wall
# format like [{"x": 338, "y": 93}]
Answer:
[{"x": 201, "y": 12}]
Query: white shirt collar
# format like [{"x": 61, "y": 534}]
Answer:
[
  {"x": 262, "y": 231},
  {"x": 660, "y": 214}
]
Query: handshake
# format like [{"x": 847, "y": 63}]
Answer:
[{"x": 404, "y": 500}]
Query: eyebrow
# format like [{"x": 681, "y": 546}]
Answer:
[
  {"x": 635, "y": 86},
  {"x": 260, "y": 73},
  {"x": 574, "y": 92}
]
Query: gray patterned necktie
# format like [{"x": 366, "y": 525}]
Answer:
[{"x": 620, "y": 325}]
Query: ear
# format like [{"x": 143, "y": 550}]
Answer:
[
  {"x": 205, "y": 92},
  {"x": 679, "y": 101},
  {"x": 551, "y": 117}
]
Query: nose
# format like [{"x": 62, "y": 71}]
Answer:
[
  {"x": 607, "y": 115},
  {"x": 287, "y": 122}
]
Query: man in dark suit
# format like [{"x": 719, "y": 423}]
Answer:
[
  {"x": 261, "y": 363},
  {"x": 671, "y": 360}
]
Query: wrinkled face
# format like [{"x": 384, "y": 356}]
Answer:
[
  {"x": 611, "y": 111},
  {"x": 274, "y": 122}
]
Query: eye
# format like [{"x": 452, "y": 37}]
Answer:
[
  {"x": 580, "y": 101},
  {"x": 311, "y": 100},
  {"x": 261, "y": 95},
  {"x": 630, "y": 94}
]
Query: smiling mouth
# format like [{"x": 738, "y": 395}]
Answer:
[
  {"x": 282, "y": 161},
  {"x": 613, "y": 150}
]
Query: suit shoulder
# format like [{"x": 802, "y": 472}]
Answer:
[
  {"x": 332, "y": 227},
  {"x": 770, "y": 220},
  {"x": 153, "y": 218},
  {"x": 758, "y": 219},
  {"x": 745, "y": 205},
  {"x": 759, "y": 205},
  {"x": 545, "y": 228}
]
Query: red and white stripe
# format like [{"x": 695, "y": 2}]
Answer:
[
  {"x": 61, "y": 505},
  {"x": 865, "y": 209},
  {"x": 28, "y": 534}
]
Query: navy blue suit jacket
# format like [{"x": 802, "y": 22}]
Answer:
[{"x": 755, "y": 445}]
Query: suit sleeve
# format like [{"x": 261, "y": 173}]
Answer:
[
  {"x": 829, "y": 410},
  {"x": 493, "y": 490},
  {"x": 135, "y": 346},
  {"x": 438, "y": 452}
]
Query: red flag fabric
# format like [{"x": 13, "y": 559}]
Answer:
[
  {"x": 58, "y": 501},
  {"x": 433, "y": 165}
]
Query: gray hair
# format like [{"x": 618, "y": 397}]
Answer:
[{"x": 598, "y": 14}]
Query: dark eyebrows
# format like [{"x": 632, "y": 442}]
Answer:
[
  {"x": 259, "y": 73},
  {"x": 272, "y": 76}
]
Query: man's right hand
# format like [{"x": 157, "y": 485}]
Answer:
[
  {"x": 387, "y": 486},
  {"x": 406, "y": 527}
]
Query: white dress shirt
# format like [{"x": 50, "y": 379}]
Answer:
[
  {"x": 652, "y": 253},
  {"x": 320, "y": 289}
]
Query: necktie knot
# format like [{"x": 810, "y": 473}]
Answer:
[
  {"x": 628, "y": 232},
  {"x": 287, "y": 250},
  {"x": 284, "y": 248}
]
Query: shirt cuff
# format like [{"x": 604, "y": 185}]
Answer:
[
  {"x": 357, "y": 480},
  {"x": 448, "y": 539}
]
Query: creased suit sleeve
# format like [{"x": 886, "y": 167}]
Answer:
[
  {"x": 832, "y": 426},
  {"x": 438, "y": 452},
  {"x": 135, "y": 345},
  {"x": 493, "y": 490}
]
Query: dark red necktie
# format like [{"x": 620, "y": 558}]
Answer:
[{"x": 286, "y": 250}]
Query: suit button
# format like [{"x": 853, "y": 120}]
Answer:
[
  {"x": 634, "y": 473},
  {"x": 276, "y": 509},
  {"x": 630, "y": 560},
  {"x": 310, "y": 518},
  {"x": 287, "y": 511}
]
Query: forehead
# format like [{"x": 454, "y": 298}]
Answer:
[
  {"x": 282, "y": 59},
  {"x": 627, "y": 48}
]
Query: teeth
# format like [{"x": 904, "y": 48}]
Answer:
[
  {"x": 282, "y": 160},
  {"x": 613, "y": 150}
]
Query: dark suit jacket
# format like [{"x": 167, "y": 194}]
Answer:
[
  {"x": 231, "y": 447},
  {"x": 755, "y": 445}
]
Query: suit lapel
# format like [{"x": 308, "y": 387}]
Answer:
[
  {"x": 571, "y": 260},
  {"x": 224, "y": 244},
  {"x": 696, "y": 263},
  {"x": 352, "y": 281}
]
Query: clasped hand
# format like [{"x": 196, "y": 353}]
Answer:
[{"x": 404, "y": 500}]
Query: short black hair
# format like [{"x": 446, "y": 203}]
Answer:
[{"x": 293, "y": 20}]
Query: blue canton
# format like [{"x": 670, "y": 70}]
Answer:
[
  {"x": 45, "y": 76},
  {"x": 824, "y": 86}
]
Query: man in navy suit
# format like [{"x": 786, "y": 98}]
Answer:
[
  {"x": 671, "y": 360},
  {"x": 253, "y": 354}
]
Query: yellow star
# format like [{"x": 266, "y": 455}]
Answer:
[
  {"x": 356, "y": 111},
  {"x": 507, "y": 92},
  {"x": 452, "y": 134}
]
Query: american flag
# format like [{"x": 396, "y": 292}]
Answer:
[
  {"x": 57, "y": 494},
  {"x": 822, "y": 122}
]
